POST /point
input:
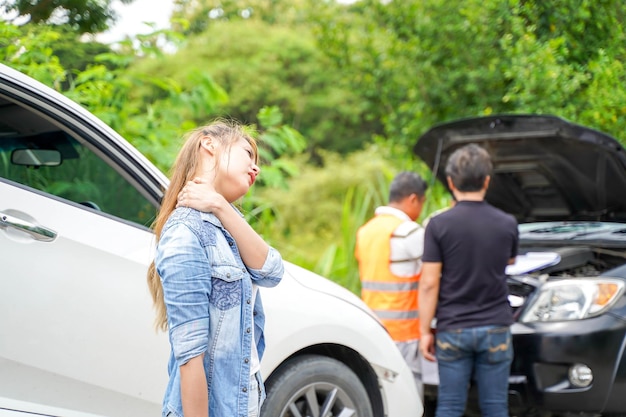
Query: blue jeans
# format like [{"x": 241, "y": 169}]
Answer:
[{"x": 480, "y": 353}]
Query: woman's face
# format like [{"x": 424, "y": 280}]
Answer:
[{"x": 236, "y": 171}]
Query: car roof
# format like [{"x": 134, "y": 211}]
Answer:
[{"x": 545, "y": 167}]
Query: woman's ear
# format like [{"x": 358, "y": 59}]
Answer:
[{"x": 207, "y": 143}]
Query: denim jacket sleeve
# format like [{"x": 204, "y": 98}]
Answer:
[
  {"x": 185, "y": 270},
  {"x": 271, "y": 272}
]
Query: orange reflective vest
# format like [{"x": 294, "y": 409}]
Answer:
[{"x": 393, "y": 298}]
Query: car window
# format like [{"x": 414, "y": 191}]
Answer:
[{"x": 55, "y": 163}]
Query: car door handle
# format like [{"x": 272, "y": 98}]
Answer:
[{"x": 36, "y": 231}]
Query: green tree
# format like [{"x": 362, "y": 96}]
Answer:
[
  {"x": 551, "y": 69},
  {"x": 31, "y": 52},
  {"x": 195, "y": 16},
  {"x": 586, "y": 27},
  {"x": 277, "y": 69},
  {"x": 83, "y": 16},
  {"x": 418, "y": 63}
]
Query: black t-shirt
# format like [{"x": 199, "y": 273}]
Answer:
[{"x": 474, "y": 242}]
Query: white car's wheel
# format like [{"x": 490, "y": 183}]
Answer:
[{"x": 315, "y": 386}]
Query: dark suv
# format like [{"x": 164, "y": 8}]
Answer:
[{"x": 566, "y": 185}]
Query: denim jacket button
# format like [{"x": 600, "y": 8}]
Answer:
[
  {"x": 246, "y": 360},
  {"x": 228, "y": 275},
  {"x": 248, "y": 330},
  {"x": 230, "y": 243},
  {"x": 248, "y": 301},
  {"x": 245, "y": 389}
]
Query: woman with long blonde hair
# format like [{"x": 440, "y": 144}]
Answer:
[{"x": 204, "y": 280}]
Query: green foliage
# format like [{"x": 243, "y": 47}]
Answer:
[
  {"x": 545, "y": 74},
  {"x": 76, "y": 54},
  {"x": 605, "y": 97},
  {"x": 414, "y": 62},
  {"x": 276, "y": 143},
  {"x": 277, "y": 140},
  {"x": 83, "y": 16},
  {"x": 275, "y": 69},
  {"x": 32, "y": 52},
  {"x": 195, "y": 16},
  {"x": 338, "y": 259},
  {"x": 59, "y": 43},
  {"x": 583, "y": 25},
  {"x": 418, "y": 63},
  {"x": 279, "y": 137},
  {"x": 307, "y": 214}
]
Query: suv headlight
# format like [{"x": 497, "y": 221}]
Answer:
[{"x": 573, "y": 299}]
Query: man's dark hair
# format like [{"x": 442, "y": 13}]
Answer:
[
  {"x": 468, "y": 167},
  {"x": 406, "y": 183}
]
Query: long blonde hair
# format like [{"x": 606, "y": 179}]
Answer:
[{"x": 184, "y": 168}]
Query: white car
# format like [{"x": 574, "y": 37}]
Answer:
[{"x": 77, "y": 331}]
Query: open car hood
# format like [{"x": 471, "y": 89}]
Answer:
[{"x": 545, "y": 168}]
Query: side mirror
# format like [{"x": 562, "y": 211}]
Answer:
[{"x": 36, "y": 157}]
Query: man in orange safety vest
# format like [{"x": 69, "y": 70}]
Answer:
[{"x": 389, "y": 250}]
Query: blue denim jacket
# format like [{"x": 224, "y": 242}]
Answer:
[{"x": 207, "y": 291}]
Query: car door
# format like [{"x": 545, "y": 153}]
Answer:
[
  {"x": 14, "y": 408},
  {"x": 74, "y": 247}
]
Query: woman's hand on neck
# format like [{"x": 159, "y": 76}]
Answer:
[{"x": 202, "y": 196}]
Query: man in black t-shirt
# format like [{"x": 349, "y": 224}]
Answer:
[{"x": 463, "y": 285}]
